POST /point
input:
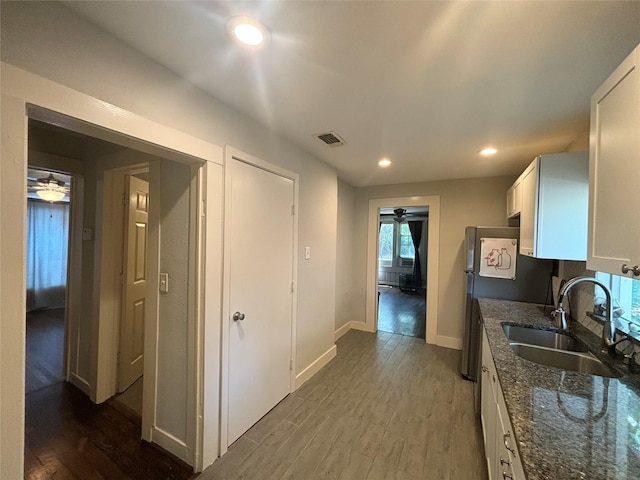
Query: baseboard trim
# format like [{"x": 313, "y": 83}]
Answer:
[
  {"x": 315, "y": 367},
  {"x": 171, "y": 444},
  {"x": 342, "y": 330},
  {"x": 449, "y": 342},
  {"x": 362, "y": 326}
]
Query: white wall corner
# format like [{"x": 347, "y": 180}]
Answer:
[
  {"x": 315, "y": 367},
  {"x": 449, "y": 342},
  {"x": 362, "y": 326},
  {"x": 342, "y": 331}
]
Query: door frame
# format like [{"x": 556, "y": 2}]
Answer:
[
  {"x": 433, "y": 255},
  {"x": 112, "y": 261},
  {"x": 230, "y": 154},
  {"x": 26, "y": 95}
]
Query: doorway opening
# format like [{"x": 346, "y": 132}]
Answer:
[
  {"x": 90, "y": 344},
  {"x": 386, "y": 266},
  {"x": 48, "y": 224},
  {"x": 402, "y": 264},
  {"x": 125, "y": 244}
]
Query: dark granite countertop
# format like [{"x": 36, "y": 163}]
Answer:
[{"x": 567, "y": 425}]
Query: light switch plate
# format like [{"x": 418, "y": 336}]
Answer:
[
  {"x": 307, "y": 253},
  {"x": 164, "y": 282}
]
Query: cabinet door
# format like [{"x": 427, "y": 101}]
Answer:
[
  {"x": 510, "y": 201},
  {"x": 488, "y": 407},
  {"x": 517, "y": 198},
  {"x": 529, "y": 205},
  {"x": 508, "y": 465},
  {"x": 614, "y": 209},
  {"x": 504, "y": 457},
  {"x": 514, "y": 199}
]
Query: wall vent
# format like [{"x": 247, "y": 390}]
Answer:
[{"x": 330, "y": 138}]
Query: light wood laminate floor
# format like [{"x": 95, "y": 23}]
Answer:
[{"x": 387, "y": 407}]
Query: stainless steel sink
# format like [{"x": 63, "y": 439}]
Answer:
[
  {"x": 565, "y": 360},
  {"x": 543, "y": 338}
]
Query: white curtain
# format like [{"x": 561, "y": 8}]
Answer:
[{"x": 47, "y": 251}]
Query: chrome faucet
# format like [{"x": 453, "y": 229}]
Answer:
[{"x": 609, "y": 330}]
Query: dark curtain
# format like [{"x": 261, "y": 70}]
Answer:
[{"x": 415, "y": 227}]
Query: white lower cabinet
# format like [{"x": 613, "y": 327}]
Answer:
[{"x": 501, "y": 452}]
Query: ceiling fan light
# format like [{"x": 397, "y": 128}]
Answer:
[{"x": 50, "y": 194}]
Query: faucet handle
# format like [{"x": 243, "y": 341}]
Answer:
[
  {"x": 634, "y": 362},
  {"x": 561, "y": 319}
]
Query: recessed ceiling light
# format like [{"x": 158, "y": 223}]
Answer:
[
  {"x": 247, "y": 31},
  {"x": 384, "y": 163},
  {"x": 488, "y": 151}
]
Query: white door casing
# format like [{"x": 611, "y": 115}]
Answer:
[
  {"x": 134, "y": 288},
  {"x": 25, "y": 95},
  {"x": 260, "y": 251},
  {"x": 433, "y": 253}
]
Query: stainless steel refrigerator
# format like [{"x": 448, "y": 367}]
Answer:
[{"x": 527, "y": 281}]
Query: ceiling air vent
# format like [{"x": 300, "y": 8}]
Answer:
[{"x": 330, "y": 138}]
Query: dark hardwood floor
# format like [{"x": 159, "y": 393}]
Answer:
[
  {"x": 402, "y": 313},
  {"x": 69, "y": 437},
  {"x": 45, "y": 341}
]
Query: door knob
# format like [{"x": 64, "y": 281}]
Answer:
[{"x": 238, "y": 316}]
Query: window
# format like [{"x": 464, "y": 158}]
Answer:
[
  {"x": 385, "y": 249},
  {"x": 405, "y": 242},
  {"x": 626, "y": 291},
  {"x": 395, "y": 247}
]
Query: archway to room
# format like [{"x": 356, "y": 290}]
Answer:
[
  {"x": 402, "y": 266},
  {"x": 430, "y": 204}
]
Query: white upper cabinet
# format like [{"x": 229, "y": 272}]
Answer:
[
  {"x": 514, "y": 199},
  {"x": 614, "y": 167},
  {"x": 554, "y": 206}
]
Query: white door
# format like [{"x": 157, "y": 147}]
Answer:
[
  {"x": 260, "y": 237},
  {"x": 131, "y": 360}
]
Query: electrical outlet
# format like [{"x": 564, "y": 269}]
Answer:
[{"x": 307, "y": 253}]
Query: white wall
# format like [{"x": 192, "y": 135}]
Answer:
[
  {"x": 52, "y": 42},
  {"x": 173, "y": 306},
  {"x": 344, "y": 254},
  {"x": 13, "y": 294},
  {"x": 479, "y": 201}
]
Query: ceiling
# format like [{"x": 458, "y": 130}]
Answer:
[{"x": 426, "y": 84}]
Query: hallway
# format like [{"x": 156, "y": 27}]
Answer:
[{"x": 387, "y": 407}]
